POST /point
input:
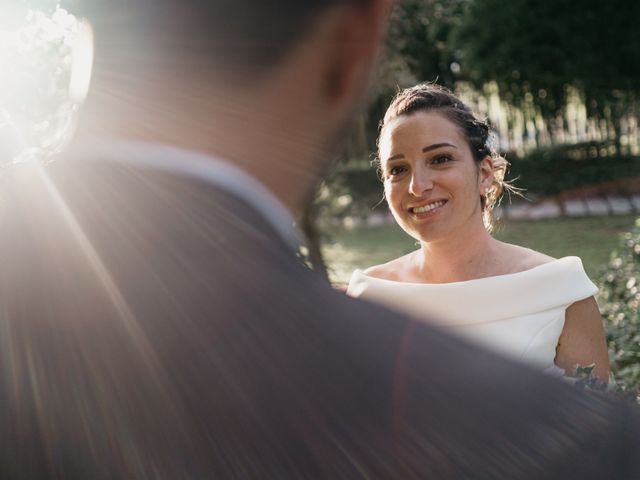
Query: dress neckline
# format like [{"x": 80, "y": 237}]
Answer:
[
  {"x": 554, "y": 284},
  {"x": 551, "y": 264}
]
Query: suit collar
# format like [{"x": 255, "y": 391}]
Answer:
[{"x": 205, "y": 168}]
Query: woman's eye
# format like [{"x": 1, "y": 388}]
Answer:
[
  {"x": 441, "y": 159},
  {"x": 396, "y": 171}
]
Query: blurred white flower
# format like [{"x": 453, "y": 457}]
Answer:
[{"x": 36, "y": 111}]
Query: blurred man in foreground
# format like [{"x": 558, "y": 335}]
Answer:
[{"x": 156, "y": 322}]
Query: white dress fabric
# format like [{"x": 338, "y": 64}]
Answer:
[{"x": 520, "y": 314}]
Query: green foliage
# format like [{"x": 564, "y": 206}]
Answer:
[
  {"x": 519, "y": 44},
  {"x": 352, "y": 189},
  {"x": 620, "y": 304},
  {"x": 537, "y": 48},
  {"x": 590, "y": 238},
  {"x": 419, "y": 33},
  {"x": 551, "y": 170}
]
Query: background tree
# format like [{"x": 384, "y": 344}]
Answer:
[{"x": 535, "y": 50}]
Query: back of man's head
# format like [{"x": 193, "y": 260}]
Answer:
[
  {"x": 240, "y": 39},
  {"x": 229, "y": 77}
]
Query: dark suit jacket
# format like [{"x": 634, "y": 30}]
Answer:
[{"x": 154, "y": 326}]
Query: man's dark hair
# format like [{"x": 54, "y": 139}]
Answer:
[{"x": 249, "y": 35}]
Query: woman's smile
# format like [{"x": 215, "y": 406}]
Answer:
[{"x": 427, "y": 210}]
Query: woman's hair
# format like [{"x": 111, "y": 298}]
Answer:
[{"x": 482, "y": 140}]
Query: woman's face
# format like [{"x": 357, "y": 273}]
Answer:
[{"x": 431, "y": 181}]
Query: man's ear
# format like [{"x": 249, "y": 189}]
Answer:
[
  {"x": 354, "y": 40},
  {"x": 486, "y": 174}
]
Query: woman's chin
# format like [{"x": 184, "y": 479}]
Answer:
[
  {"x": 423, "y": 235},
  {"x": 423, "y": 229}
]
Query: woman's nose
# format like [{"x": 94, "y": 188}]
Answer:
[{"x": 421, "y": 182}]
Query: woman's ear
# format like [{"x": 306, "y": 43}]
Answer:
[{"x": 486, "y": 174}]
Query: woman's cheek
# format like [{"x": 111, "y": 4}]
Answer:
[{"x": 388, "y": 193}]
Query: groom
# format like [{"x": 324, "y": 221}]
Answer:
[{"x": 156, "y": 321}]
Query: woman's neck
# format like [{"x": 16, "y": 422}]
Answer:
[{"x": 464, "y": 257}]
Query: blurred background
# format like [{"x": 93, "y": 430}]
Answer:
[
  {"x": 560, "y": 84},
  {"x": 559, "y": 81}
]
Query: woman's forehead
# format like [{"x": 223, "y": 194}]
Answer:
[{"x": 413, "y": 130}]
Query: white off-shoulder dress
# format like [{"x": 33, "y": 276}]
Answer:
[{"x": 520, "y": 314}]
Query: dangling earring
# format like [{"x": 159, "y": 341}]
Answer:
[{"x": 483, "y": 198}]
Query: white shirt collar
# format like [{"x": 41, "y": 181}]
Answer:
[{"x": 209, "y": 169}]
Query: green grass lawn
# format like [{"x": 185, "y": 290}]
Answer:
[{"x": 592, "y": 239}]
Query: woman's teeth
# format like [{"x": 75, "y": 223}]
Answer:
[{"x": 429, "y": 207}]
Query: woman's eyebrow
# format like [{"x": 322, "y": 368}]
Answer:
[
  {"x": 437, "y": 145},
  {"x": 428, "y": 148}
]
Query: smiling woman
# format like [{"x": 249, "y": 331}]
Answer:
[
  {"x": 428, "y": 172},
  {"x": 442, "y": 176}
]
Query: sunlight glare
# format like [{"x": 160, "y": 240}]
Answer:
[
  {"x": 37, "y": 106},
  {"x": 81, "y": 63}
]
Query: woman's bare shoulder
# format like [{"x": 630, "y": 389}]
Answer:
[
  {"x": 392, "y": 270},
  {"x": 522, "y": 258}
]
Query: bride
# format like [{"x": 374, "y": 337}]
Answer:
[{"x": 442, "y": 177}]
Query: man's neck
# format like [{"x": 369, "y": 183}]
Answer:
[{"x": 266, "y": 143}]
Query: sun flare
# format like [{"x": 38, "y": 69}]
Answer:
[{"x": 39, "y": 91}]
